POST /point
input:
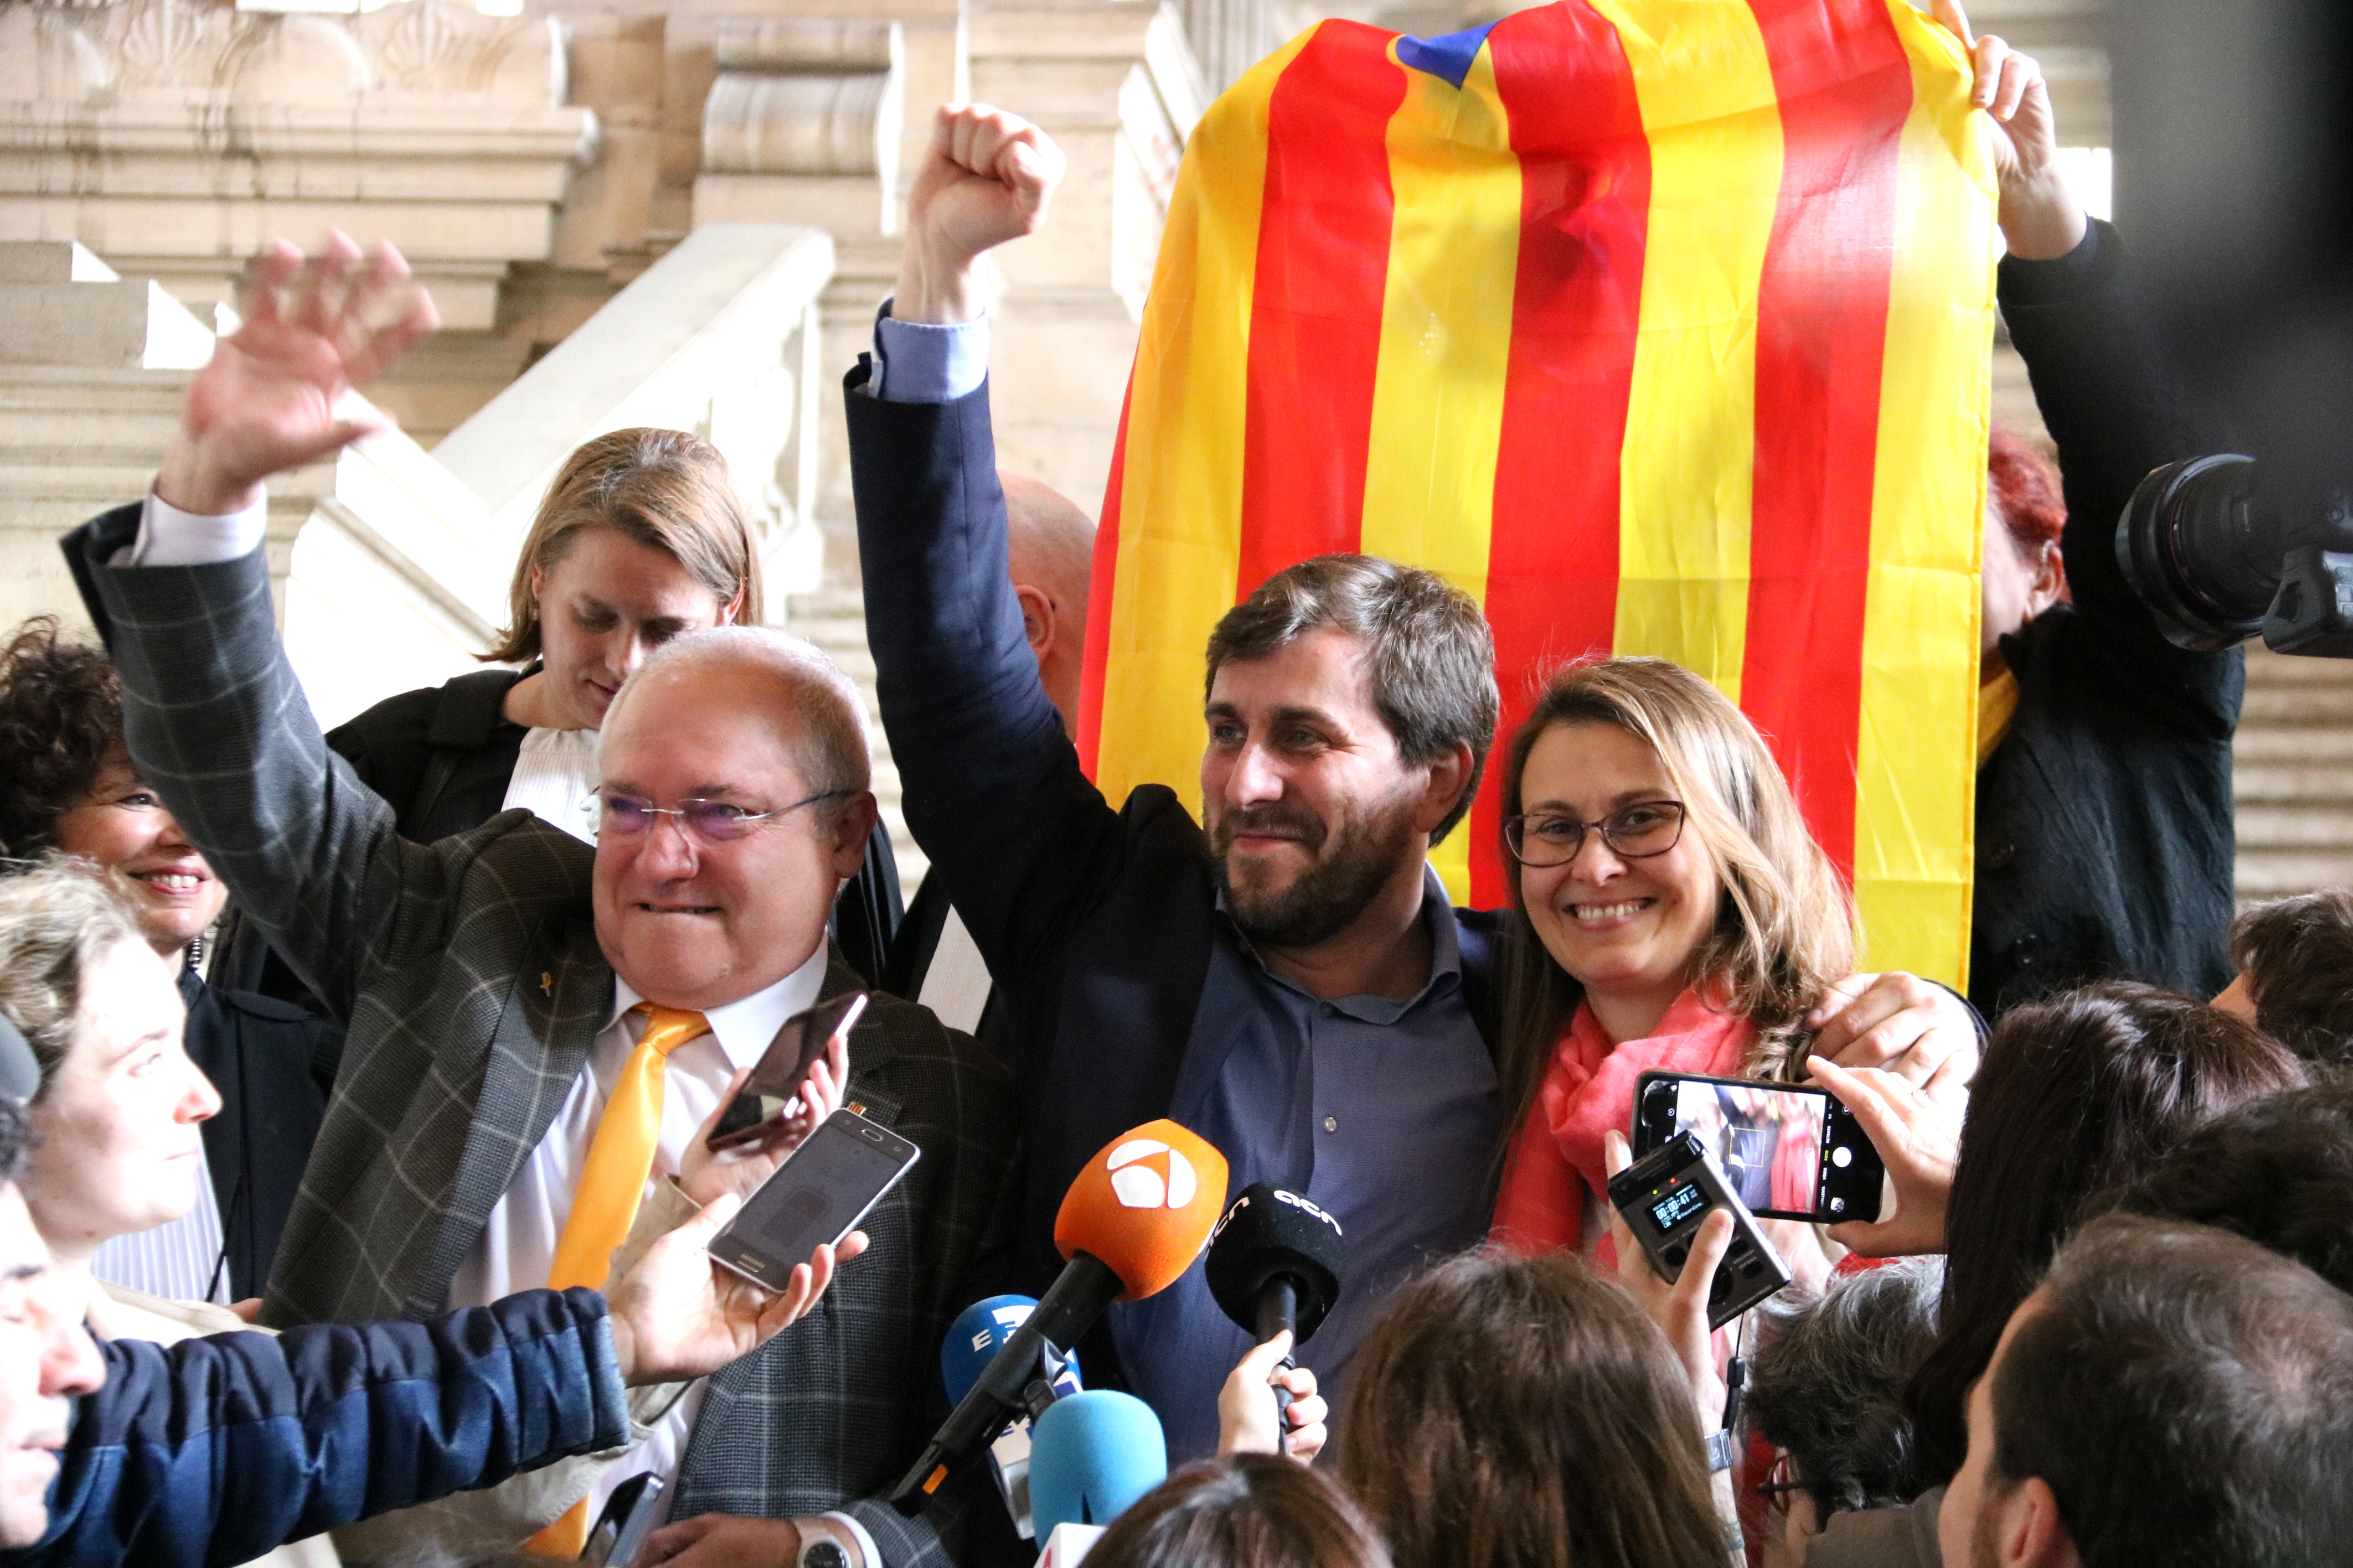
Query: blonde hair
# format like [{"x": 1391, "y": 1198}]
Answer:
[
  {"x": 1785, "y": 929},
  {"x": 59, "y": 918},
  {"x": 665, "y": 490}
]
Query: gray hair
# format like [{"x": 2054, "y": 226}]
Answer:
[
  {"x": 827, "y": 718},
  {"x": 1829, "y": 1383},
  {"x": 57, "y": 920}
]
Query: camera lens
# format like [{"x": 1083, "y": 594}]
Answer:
[{"x": 2201, "y": 555}]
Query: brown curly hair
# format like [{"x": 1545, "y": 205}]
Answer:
[{"x": 61, "y": 718}]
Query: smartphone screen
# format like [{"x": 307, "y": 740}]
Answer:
[
  {"x": 1789, "y": 1151},
  {"x": 816, "y": 1196},
  {"x": 778, "y": 1076}
]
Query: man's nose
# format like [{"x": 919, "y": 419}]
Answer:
[
  {"x": 70, "y": 1363},
  {"x": 1255, "y": 779},
  {"x": 671, "y": 850}
]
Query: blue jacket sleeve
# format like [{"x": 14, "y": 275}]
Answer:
[
  {"x": 1024, "y": 843},
  {"x": 214, "y": 1450}
]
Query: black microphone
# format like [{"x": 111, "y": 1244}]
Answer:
[{"x": 1274, "y": 1263}]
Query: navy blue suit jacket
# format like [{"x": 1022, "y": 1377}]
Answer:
[{"x": 1097, "y": 923}]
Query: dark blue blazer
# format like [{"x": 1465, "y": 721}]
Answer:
[
  {"x": 1097, "y": 923},
  {"x": 214, "y": 1450}
]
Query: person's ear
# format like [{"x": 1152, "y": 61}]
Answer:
[
  {"x": 2050, "y": 578},
  {"x": 538, "y": 583},
  {"x": 1446, "y": 778},
  {"x": 732, "y": 610},
  {"x": 1038, "y": 621},
  {"x": 2028, "y": 1530},
  {"x": 850, "y": 832}
]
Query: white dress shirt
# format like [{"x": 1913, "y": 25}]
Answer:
[
  {"x": 518, "y": 1244},
  {"x": 555, "y": 779}
]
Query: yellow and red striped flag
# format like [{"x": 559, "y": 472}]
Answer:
[{"x": 1659, "y": 326}]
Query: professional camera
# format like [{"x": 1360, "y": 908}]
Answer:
[{"x": 2217, "y": 557}]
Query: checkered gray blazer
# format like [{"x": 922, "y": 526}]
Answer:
[{"x": 471, "y": 978}]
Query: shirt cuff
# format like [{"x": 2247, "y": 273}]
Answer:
[
  {"x": 921, "y": 361},
  {"x": 170, "y": 537}
]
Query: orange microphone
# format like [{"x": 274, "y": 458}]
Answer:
[{"x": 1138, "y": 1215}]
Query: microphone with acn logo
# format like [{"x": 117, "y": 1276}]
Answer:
[
  {"x": 1274, "y": 1263},
  {"x": 1138, "y": 1215}
]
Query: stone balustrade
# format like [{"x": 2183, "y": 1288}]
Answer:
[{"x": 720, "y": 337}]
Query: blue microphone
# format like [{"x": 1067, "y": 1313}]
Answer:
[
  {"x": 980, "y": 1333},
  {"x": 973, "y": 1340},
  {"x": 1091, "y": 1456}
]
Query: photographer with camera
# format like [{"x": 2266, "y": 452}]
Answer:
[{"x": 2104, "y": 841}]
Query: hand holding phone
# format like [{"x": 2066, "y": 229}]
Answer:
[
  {"x": 817, "y": 1197},
  {"x": 1919, "y": 1141}
]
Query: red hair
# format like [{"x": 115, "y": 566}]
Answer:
[{"x": 2024, "y": 488}]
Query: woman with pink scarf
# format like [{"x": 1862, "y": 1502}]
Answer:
[{"x": 1674, "y": 914}]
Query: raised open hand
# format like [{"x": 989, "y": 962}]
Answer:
[
  {"x": 985, "y": 177},
  {"x": 2040, "y": 218},
  {"x": 678, "y": 1315},
  {"x": 270, "y": 399}
]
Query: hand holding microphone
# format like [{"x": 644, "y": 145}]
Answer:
[
  {"x": 1132, "y": 1222},
  {"x": 1274, "y": 1265},
  {"x": 1252, "y": 1421}
]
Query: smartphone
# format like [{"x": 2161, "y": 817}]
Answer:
[
  {"x": 776, "y": 1079},
  {"x": 628, "y": 1518},
  {"x": 1790, "y": 1150},
  {"x": 816, "y": 1198},
  {"x": 1664, "y": 1196}
]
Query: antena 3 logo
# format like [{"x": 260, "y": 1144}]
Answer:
[{"x": 1146, "y": 1173}]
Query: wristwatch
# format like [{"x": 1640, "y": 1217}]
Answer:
[
  {"x": 835, "y": 1541},
  {"x": 1722, "y": 1451}
]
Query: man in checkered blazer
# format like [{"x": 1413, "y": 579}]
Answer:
[{"x": 484, "y": 979}]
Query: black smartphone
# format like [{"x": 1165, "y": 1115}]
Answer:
[
  {"x": 816, "y": 1198},
  {"x": 775, "y": 1080},
  {"x": 1789, "y": 1149},
  {"x": 1664, "y": 1196},
  {"x": 621, "y": 1530}
]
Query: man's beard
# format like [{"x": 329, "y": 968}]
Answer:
[{"x": 1349, "y": 867}]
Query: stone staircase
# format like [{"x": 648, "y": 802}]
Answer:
[{"x": 2293, "y": 770}]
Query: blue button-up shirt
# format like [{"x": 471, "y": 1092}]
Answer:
[{"x": 1383, "y": 1112}]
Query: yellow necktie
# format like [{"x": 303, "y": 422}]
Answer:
[{"x": 605, "y": 1205}]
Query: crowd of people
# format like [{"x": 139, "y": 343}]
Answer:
[{"x": 356, "y": 1196}]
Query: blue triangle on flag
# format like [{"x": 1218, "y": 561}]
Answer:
[{"x": 1449, "y": 56}]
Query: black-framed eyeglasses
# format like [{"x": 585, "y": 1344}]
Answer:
[
  {"x": 1780, "y": 1482},
  {"x": 1637, "y": 832},
  {"x": 713, "y": 821}
]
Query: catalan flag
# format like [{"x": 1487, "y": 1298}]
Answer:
[{"x": 1659, "y": 326}]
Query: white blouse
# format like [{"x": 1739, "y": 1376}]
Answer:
[{"x": 555, "y": 780}]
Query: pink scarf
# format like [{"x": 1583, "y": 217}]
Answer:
[{"x": 1589, "y": 1088}]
